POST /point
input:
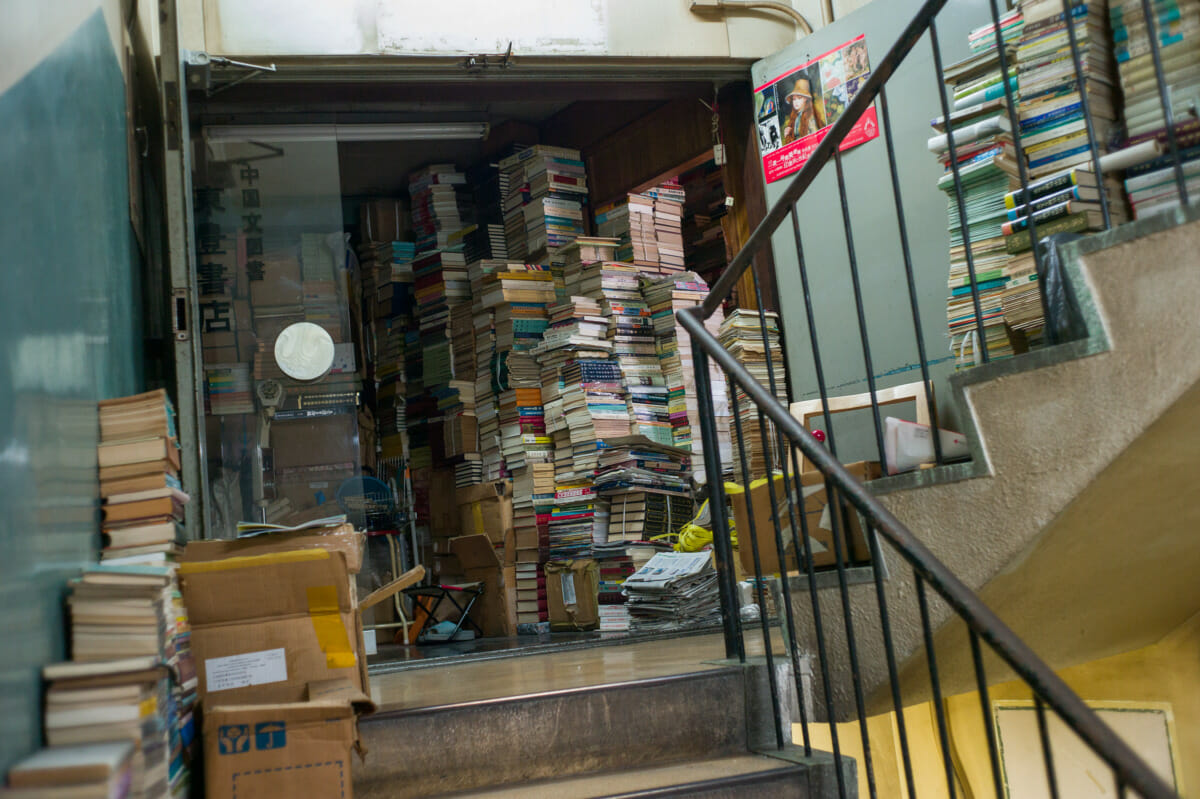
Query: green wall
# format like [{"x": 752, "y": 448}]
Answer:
[
  {"x": 913, "y": 102},
  {"x": 69, "y": 335}
]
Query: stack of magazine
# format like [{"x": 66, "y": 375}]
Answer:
[{"x": 674, "y": 590}]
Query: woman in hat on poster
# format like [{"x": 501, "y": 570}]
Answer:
[{"x": 803, "y": 118}]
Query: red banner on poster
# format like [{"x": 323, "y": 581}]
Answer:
[{"x": 795, "y": 110}]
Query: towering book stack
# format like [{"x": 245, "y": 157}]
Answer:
[
  {"x": 101, "y": 770},
  {"x": 132, "y": 675},
  {"x": 741, "y": 335},
  {"x": 1050, "y": 108},
  {"x": 1152, "y": 187},
  {"x": 483, "y": 322},
  {"x": 489, "y": 208},
  {"x": 647, "y": 486},
  {"x": 437, "y": 212},
  {"x": 641, "y": 230},
  {"x": 631, "y": 333},
  {"x": 391, "y": 323},
  {"x": 674, "y": 349},
  {"x": 584, "y": 251},
  {"x": 545, "y": 189},
  {"x": 612, "y": 222},
  {"x": 668, "y": 224},
  {"x": 139, "y": 478},
  {"x": 987, "y": 167},
  {"x": 461, "y": 432}
]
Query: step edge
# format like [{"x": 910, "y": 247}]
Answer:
[
  {"x": 734, "y": 780},
  {"x": 664, "y": 679}
]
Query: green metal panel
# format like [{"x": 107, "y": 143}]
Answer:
[
  {"x": 69, "y": 335},
  {"x": 913, "y": 102}
]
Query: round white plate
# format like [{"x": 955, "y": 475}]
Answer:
[{"x": 304, "y": 351}]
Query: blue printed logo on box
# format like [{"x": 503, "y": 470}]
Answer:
[
  {"x": 234, "y": 738},
  {"x": 270, "y": 735}
]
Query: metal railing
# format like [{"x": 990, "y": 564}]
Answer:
[{"x": 785, "y": 441}]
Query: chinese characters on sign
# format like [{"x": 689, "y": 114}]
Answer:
[{"x": 795, "y": 110}]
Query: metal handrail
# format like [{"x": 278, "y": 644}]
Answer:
[
  {"x": 1129, "y": 769},
  {"x": 1082, "y": 719}
]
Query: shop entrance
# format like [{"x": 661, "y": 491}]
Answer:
[{"x": 445, "y": 312}]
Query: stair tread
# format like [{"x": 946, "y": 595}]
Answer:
[{"x": 615, "y": 783}]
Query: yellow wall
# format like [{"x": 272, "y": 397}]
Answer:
[{"x": 1167, "y": 672}]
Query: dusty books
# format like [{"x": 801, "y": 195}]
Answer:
[{"x": 100, "y": 770}]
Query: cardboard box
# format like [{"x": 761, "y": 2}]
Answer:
[
  {"x": 264, "y": 626},
  {"x": 285, "y": 749},
  {"x": 383, "y": 220},
  {"x": 572, "y": 593},
  {"x": 342, "y": 539},
  {"x": 817, "y": 516},
  {"x": 496, "y": 611},
  {"x": 443, "y": 505},
  {"x": 487, "y": 510}
]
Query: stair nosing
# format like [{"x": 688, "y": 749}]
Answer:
[
  {"x": 733, "y": 780},
  {"x": 663, "y": 679}
]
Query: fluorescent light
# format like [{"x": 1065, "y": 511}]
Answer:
[{"x": 408, "y": 131}]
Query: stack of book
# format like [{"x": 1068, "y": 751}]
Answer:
[
  {"x": 668, "y": 224},
  {"x": 575, "y": 520},
  {"x": 1152, "y": 187},
  {"x": 987, "y": 168},
  {"x": 641, "y": 230},
  {"x": 227, "y": 389},
  {"x": 545, "y": 191},
  {"x": 437, "y": 213},
  {"x": 583, "y": 252},
  {"x": 612, "y": 222},
  {"x": 983, "y": 38},
  {"x": 1053, "y": 129},
  {"x": 132, "y": 675},
  {"x": 647, "y": 486},
  {"x": 139, "y": 478},
  {"x": 741, "y": 334},
  {"x": 674, "y": 349},
  {"x": 631, "y": 332},
  {"x": 489, "y": 209}
]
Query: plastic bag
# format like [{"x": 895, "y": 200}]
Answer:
[{"x": 1064, "y": 320}]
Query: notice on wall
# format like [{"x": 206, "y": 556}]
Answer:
[{"x": 795, "y": 110}]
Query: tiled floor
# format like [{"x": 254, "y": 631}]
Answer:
[{"x": 576, "y": 668}]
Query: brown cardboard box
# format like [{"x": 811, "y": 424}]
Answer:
[
  {"x": 342, "y": 539},
  {"x": 264, "y": 626},
  {"x": 496, "y": 611},
  {"x": 572, "y": 592},
  {"x": 818, "y": 521},
  {"x": 487, "y": 510},
  {"x": 298, "y": 748},
  {"x": 443, "y": 505}
]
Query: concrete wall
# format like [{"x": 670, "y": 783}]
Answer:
[
  {"x": 69, "y": 332},
  {"x": 661, "y": 28}
]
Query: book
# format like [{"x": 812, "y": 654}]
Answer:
[
  {"x": 1049, "y": 185},
  {"x": 1072, "y": 223},
  {"x": 139, "y": 450},
  {"x": 1095, "y": 218},
  {"x": 58, "y": 766}
]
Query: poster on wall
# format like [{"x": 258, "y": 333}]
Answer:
[{"x": 795, "y": 110}]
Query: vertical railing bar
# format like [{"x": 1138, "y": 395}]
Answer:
[
  {"x": 1121, "y": 790},
  {"x": 1015, "y": 123},
  {"x": 858, "y": 307},
  {"x": 722, "y": 546},
  {"x": 835, "y": 503},
  {"x": 787, "y": 590},
  {"x": 1165, "y": 98},
  {"x": 1047, "y": 754},
  {"x": 889, "y": 649},
  {"x": 1086, "y": 107},
  {"x": 812, "y": 336},
  {"x": 986, "y": 705},
  {"x": 922, "y": 355},
  {"x": 818, "y": 624},
  {"x": 759, "y": 589},
  {"x": 958, "y": 192},
  {"x": 935, "y": 682}
]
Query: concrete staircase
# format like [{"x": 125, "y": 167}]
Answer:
[
  {"x": 689, "y": 734},
  {"x": 1076, "y": 519}
]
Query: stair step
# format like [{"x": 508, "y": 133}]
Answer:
[
  {"x": 554, "y": 735},
  {"x": 734, "y": 776}
]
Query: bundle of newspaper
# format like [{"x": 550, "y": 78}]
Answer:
[{"x": 672, "y": 591}]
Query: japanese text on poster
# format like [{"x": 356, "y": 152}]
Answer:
[{"x": 795, "y": 110}]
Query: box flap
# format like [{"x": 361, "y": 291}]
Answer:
[
  {"x": 296, "y": 582},
  {"x": 475, "y": 552},
  {"x": 342, "y": 539},
  {"x": 341, "y": 691},
  {"x": 482, "y": 493}
]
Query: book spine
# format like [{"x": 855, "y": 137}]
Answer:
[
  {"x": 993, "y": 92},
  {"x": 1020, "y": 241},
  {"x": 1053, "y": 212},
  {"x": 1041, "y": 189},
  {"x": 1044, "y": 203}
]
